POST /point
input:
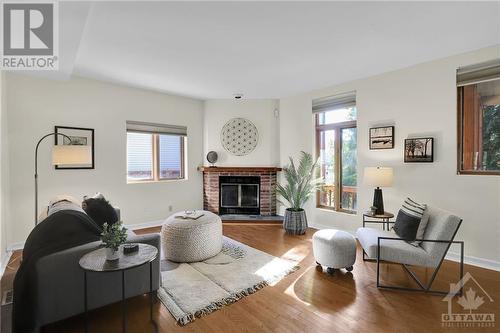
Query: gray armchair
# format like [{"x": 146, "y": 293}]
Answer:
[
  {"x": 60, "y": 289},
  {"x": 386, "y": 246}
]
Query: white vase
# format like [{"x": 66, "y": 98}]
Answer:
[{"x": 112, "y": 254}]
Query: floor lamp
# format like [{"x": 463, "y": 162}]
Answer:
[{"x": 62, "y": 154}]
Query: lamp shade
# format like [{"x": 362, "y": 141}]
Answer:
[
  {"x": 378, "y": 176},
  {"x": 71, "y": 155}
]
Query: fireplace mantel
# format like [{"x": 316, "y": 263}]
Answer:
[{"x": 238, "y": 169}]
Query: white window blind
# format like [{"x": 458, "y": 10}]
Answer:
[
  {"x": 340, "y": 101},
  {"x": 143, "y": 127},
  {"x": 483, "y": 72},
  {"x": 139, "y": 156},
  {"x": 155, "y": 151},
  {"x": 171, "y": 156}
]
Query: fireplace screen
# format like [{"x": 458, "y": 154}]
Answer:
[{"x": 239, "y": 195}]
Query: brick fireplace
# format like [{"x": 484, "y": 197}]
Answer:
[{"x": 266, "y": 179}]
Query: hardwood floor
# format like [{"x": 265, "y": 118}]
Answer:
[{"x": 307, "y": 300}]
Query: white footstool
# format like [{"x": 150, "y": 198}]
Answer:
[
  {"x": 334, "y": 249},
  {"x": 185, "y": 240}
]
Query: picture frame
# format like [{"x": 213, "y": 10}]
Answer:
[
  {"x": 419, "y": 150},
  {"x": 78, "y": 135},
  {"x": 382, "y": 137}
]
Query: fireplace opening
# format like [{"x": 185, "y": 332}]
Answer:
[{"x": 239, "y": 195}]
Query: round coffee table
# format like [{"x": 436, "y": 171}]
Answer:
[{"x": 95, "y": 261}]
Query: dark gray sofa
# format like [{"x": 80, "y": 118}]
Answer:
[{"x": 60, "y": 289}]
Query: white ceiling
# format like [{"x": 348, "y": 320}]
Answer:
[{"x": 263, "y": 49}]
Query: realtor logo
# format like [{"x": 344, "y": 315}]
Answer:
[
  {"x": 29, "y": 36},
  {"x": 473, "y": 298}
]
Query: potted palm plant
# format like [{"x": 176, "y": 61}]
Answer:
[
  {"x": 301, "y": 183},
  {"x": 112, "y": 237}
]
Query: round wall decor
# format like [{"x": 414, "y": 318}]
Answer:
[{"x": 239, "y": 136}]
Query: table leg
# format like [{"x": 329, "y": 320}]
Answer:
[
  {"x": 151, "y": 296},
  {"x": 124, "y": 304},
  {"x": 85, "y": 302}
]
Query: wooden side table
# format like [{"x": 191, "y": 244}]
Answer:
[
  {"x": 95, "y": 261},
  {"x": 383, "y": 219}
]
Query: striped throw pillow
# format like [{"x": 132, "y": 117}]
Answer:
[{"x": 408, "y": 219}]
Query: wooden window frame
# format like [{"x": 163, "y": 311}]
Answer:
[
  {"x": 460, "y": 133},
  {"x": 155, "y": 152},
  {"x": 337, "y": 127}
]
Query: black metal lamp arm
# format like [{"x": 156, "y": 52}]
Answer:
[{"x": 36, "y": 168}]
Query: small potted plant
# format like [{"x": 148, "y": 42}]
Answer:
[
  {"x": 112, "y": 237},
  {"x": 301, "y": 184}
]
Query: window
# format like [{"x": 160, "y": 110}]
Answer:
[
  {"x": 478, "y": 91},
  {"x": 336, "y": 147},
  {"x": 155, "y": 152}
]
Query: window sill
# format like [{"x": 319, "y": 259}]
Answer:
[
  {"x": 479, "y": 172},
  {"x": 344, "y": 212},
  {"x": 156, "y": 181}
]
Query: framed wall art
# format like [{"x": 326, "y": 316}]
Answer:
[
  {"x": 382, "y": 137},
  {"x": 419, "y": 150}
]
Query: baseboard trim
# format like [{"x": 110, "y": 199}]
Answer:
[
  {"x": 5, "y": 262},
  {"x": 475, "y": 261},
  {"x": 453, "y": 256},
  {"x": 145, "y": 225},
  {"x": 15, "y": 246}
]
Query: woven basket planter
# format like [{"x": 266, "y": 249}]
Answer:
[{"x": 295, "y": 222}]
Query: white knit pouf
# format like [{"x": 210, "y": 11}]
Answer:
[
  {"x": 334, "y": 249},
  {"x": 185, "y": 240}
]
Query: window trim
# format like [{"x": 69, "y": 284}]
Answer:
[
  {"x": 155, "y": 151},
  {"x": 338, "y": 127},
  {"x": 460, "y": 124}
]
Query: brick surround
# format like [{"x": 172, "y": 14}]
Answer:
[{"x": 267, "y": 186}]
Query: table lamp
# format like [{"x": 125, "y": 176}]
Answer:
[
  {"x": 379, "y": 177},
  {"x": 62, "y": 155}
]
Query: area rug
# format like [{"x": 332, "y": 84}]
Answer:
[{"x": 192, "y": 290}]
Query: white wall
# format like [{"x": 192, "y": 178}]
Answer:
[
  {"x": 260, "y": 112},
  {"x": 35, "y": 106},
  {"x": 4, "y": 179},
  {"x": 419, "y": 101}
]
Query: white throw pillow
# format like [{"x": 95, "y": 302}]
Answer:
[
  {"x": 421, "y": 227},
  {"x": 54, "y": 206}
]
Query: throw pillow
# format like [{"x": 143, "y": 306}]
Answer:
[
  {"x": 100, "y": 210},
  {"x": 408, "y": 219},
  {"x": 421, "y": 227},
  {"x": 63, "y": 205}
]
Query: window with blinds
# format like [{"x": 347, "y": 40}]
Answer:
[
  {"x": 155, "y": 152},
  {"x": 478, "y": 92}
]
